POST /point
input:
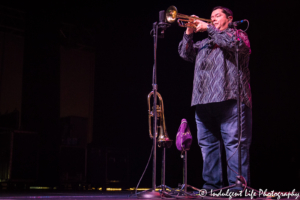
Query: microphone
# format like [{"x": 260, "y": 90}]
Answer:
[
  {"x": 236, "y": 23},
  {"x": 162, "y": 16},
  {"x": 162, "y": 21}
]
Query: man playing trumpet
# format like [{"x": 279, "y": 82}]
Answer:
[{"x": 215, "y": 98}]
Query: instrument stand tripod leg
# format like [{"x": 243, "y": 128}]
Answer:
[
  {"x": 163, "y": 185},
  {"x": 238, "y": 183},
  {"x": 149, "y": 194},
  {"x": 183, "y": 191}
]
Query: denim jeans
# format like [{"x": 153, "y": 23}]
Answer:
[{"x": 217, "y": 122}]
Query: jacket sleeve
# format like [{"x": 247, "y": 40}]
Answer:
[
  {"x": 186, "y": 48},
  {"x": 226, "y": 39}
]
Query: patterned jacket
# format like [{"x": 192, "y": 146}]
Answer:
[{"x": 215, "y": 66}]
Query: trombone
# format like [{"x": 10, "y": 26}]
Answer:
[
  {"x": 182, "y": 20},
  {"x": 163, "y": 138}
]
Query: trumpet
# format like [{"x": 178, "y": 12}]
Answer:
[
  {"x": 182, "y": 20},
  {"x": 163, "y": 138}
]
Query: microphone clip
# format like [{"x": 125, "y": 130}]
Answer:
[{"x": 236, "y": 23}]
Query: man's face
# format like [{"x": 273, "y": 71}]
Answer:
[{"x": 219, "y": 19}]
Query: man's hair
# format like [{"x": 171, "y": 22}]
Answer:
[{"x": 227, "y": 11}]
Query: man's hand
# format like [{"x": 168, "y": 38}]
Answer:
[
  {"x": 201, "y": 26},
  {"x": 191, "y": 26},
  {"x": 190, "y": 30}
]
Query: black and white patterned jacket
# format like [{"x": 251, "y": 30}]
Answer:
[{"x": 215, "y": 66}]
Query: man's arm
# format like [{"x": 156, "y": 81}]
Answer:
[
  {"x": 186, "y": 48},
  {"x": 226, "y": 40}
]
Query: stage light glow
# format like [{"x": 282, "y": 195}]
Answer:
[
  {"x": 141, "y": 189},
  {"x": 113, "y": 189},
  {"x": 114, "y": 181},
  {"x": 132, "y": 189},
  {"x": 39, "y": 188}
]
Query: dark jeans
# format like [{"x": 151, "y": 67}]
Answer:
[{"x": 216, "y": 121}]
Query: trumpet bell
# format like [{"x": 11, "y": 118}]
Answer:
[
  {"x": 171, "y": 14},
  {"x": 183, "y": 20}
]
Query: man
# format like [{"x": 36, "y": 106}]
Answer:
[{"x": 215, "y": 96}]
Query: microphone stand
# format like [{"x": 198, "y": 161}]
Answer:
[
  {"x": 240, "y": 180},
  {"x": 152, "y": 193}
]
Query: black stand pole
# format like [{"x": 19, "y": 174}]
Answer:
[
  {"x": 153, "y": 194},
  {"x": 185, "y": 170},
  {"x": 182, "y": 190},
  {"x": 240, "y": 180},
  {"x": 163, "y": 169}
]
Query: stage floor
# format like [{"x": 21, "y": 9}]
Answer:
[{"x": 91, "y": 195}]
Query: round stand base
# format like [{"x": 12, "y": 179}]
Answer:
[{"x": 149, "y": 195}]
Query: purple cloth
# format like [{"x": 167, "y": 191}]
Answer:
[{"x": 184, "y": 136}]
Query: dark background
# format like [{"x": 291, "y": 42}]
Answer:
[{"x": 123, "y": 75}]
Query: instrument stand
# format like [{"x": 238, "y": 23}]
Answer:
[
  {"x": 240, "y": 180},
  {"x": 182, "y": 188},
  {"x": 181, "y": 192},
  {"x": 163, "y": 185},
  {"x": 149, "y": 194}
]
